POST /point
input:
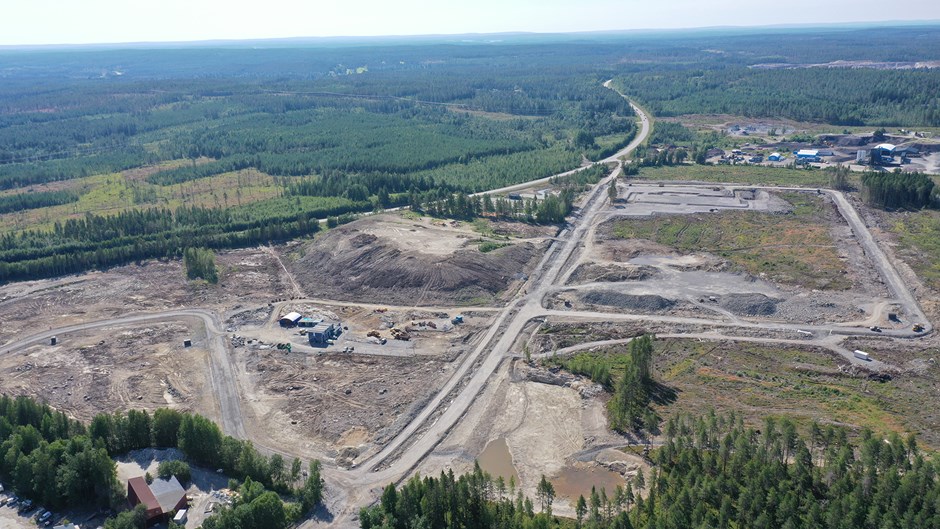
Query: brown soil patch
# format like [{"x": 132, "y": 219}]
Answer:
[
  {"x": 363, "y": 261},
  {"x": 113, "y": 369}
]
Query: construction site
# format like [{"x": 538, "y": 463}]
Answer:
[{"x": 395, "y": 344}]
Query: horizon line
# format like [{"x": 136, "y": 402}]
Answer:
[{"x": 354, "y": 38}]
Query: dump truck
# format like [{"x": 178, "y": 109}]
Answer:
[{"x": 399, "y": 334}]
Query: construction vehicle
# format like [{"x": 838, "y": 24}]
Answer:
[
  {"x": 458, "y": 319},
  {"x": 918, "y": 327},
  {"x": 373, "y": 334},
  {"x": 399, "y": 334}
]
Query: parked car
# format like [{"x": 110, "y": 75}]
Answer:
[{"x": 45, "y": 516}]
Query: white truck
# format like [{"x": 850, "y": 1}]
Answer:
[{"x": 862, "y": 355}]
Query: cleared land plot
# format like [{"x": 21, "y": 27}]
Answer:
[
  {"x": 741, "y": 174},
  {"x": 346, "y": 404},
  {"x": 115, "y": 368},
  {"x": 795, "y": 249},
  {"x": 246, "y": 277},
  {"x": 919, "y": 236},
  {"x": 338, "y": 404},
  {"x": 804, "y": 384}
]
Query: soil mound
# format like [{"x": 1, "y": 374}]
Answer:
[
  {"x": 642, "y": 303},
  {"x": 347, "y": 264},
  {"x": 589, "y": 273},
  {"x": 749, "y": 304}
]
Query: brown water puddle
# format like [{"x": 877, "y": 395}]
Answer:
[
  {"x": 497, "y": 461},
  {"x": 574, "y": 481}
]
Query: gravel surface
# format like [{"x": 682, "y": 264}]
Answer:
[
  {"x": 643, "y": 302},
  {"x": 749, "y": 304}
]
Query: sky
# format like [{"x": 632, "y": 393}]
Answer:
[{"x": 30, "y": 22}]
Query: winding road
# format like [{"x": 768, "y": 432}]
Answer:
[{"x": 349, "y": 489}]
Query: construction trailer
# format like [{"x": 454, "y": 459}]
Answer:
[{"x": 308, "y": 322}]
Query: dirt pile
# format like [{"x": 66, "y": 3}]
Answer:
[
  {"x": 749, "y": 304},
  {"x": 349, "y": 264},
  {"x": 643, "y": 303},
  {"x": 589, "y": 273}
]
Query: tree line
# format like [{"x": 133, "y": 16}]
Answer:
[
  {"x": 839, "y": 96},
  {"x": 632, "y": 391},
  {"x": 711, "y": 472},
  {"x": 98, "y": 241},
  {"x": 473, "y": 500},
  {"x": 897, "y": 190},
  {"x": 42, "y": 199}
]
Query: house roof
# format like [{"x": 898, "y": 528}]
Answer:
[
  {"x": 143, "y": 493},
  {"x": 168, "y": 493}
]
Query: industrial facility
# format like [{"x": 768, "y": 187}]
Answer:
[{"x": 323, "y": 332}]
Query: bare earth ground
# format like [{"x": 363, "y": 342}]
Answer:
[
  {"x": 303, "y": 394},
  {"x": 643, "y": 276},
  {"x": 411, "y": 262},
  {"x": 551, "y": 426},
  {"x": 134, "y": 367}
]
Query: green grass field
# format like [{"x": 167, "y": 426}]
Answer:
[
  {"x": 795, "y": 248},
  {"x": 738, "y": 174},
  {"x": 919, "y": 237},
  {"x": 802, "y": 384}
]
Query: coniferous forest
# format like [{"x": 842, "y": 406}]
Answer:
[
  {"x": 115, "y": 155},
  {"x": 710, "y": 472}
]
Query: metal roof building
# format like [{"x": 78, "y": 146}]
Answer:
[
  {"x": 289, "y": 319},
  {"x": 807, "y": 153},
  {"x": 886, "y": 147},
  {"x": 161, "y": 497}
]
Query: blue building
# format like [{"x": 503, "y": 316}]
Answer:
[{"x": 322, "y": 332}]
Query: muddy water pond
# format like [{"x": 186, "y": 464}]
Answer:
[
  {"x": 497, "y": 461},
  {"x": 574, "y": 481}
]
